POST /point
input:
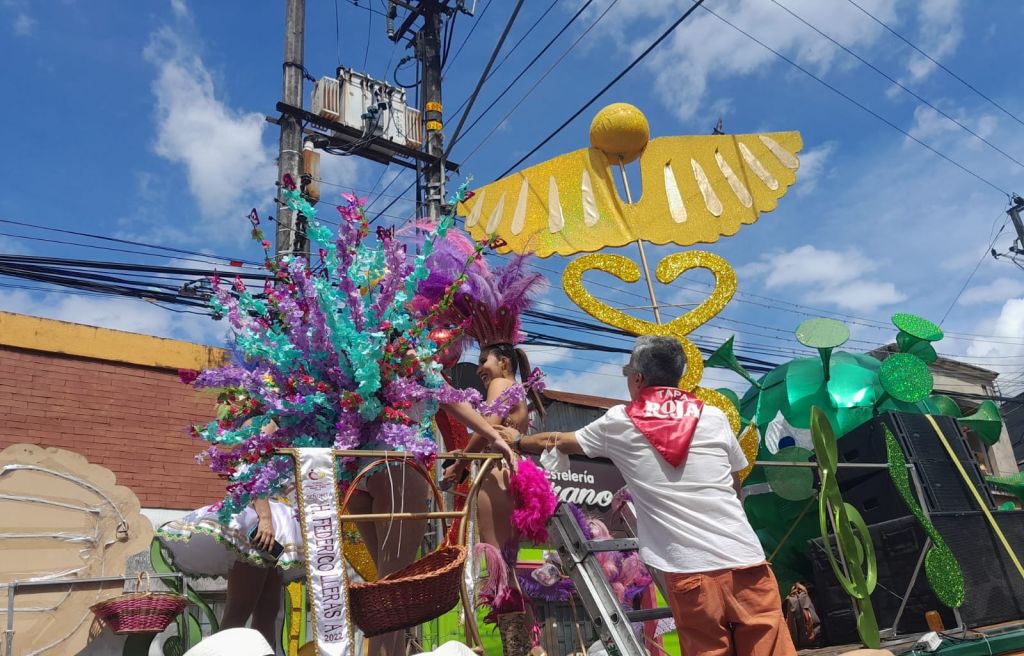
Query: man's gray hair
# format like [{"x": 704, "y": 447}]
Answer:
[{"x": 659, "y": 359}]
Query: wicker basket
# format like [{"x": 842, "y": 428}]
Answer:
[
  {"x": 424, "y": 590},
  {"x": 140, "y": 611}
]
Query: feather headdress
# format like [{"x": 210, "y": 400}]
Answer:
[{"x": 489, "y": 302}]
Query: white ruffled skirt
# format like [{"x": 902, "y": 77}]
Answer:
[{"x": 200, "y": 544}]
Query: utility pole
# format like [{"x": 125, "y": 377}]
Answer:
[
  {"x": 1018, "y": 224},
  {"x": 291, "y": 226},
  {"x": 428, "y": 51},
  {"x": 1016, "y": 250}
]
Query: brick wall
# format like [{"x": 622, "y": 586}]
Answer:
[{"x": 130, "y": 419}]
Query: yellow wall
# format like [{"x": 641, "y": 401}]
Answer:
[{"x": 50, "y": 336}]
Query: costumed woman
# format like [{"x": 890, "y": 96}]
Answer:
[
  {"x": 332, "y": 359},
  {"x": 258, "y": 551},
  {"x": 487, "y": 307}
]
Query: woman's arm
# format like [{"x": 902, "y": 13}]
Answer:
[
  {"x": 463, "y": 412},
  {"x": 264, "y": 539},
  {"x": 477, "y": 442}
]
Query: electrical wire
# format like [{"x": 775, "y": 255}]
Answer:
[
  {"x": 369, "y": 32},
  {"x": 526, "y": 68},
  {"x": 639, "y": 58},
  {"x": 936, "y": 62},
  {"x": 901, "y": 86},
  {"x": 537, "y": 82},
  {"x": 483, "y": 12},
  {"x": 852, "y": 100},
  {"x": 971, "y": 276},
  {"x": 131, "y": 242},
  {"x": 483, "y": 76}
]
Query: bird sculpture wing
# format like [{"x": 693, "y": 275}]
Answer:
[{"x": 696, "y": 189}]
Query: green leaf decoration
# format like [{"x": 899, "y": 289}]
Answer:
[
  {"x": 986, "y": 422},
  {"x": 940, "y": 565},
  {"x": 851, "y": 533}
]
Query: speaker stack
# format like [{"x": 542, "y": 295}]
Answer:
[{"x": 994, "y": 590}]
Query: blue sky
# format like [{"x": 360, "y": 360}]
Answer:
[{"x": 145, "y": 121}]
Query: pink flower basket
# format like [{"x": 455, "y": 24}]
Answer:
[{"x": 140, "y": 612}]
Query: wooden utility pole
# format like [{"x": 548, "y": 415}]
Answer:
[
  {"x": 428, "y": 51},
  {"x": 291, "y": 226}
]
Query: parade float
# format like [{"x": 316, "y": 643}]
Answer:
[{"x": 697, "y": 190}]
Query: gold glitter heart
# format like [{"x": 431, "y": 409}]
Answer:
[{"x": 667, "y": 271}]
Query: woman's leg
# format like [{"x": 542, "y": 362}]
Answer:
[
  {"x": 268, "y": 606},
  {"x": 398, "y": 542},
  {"x": 494, "y": 512},
  {"x": 245, "y": 583},
  {"x": 494, "y": 509}
]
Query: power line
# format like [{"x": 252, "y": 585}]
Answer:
[
  {"x": 935, "y": 61},
  {"x": 971, "y": 276},
  {"x": 483, "y": 76},
  {"x": 369, "y": 32},
  {"x": 131, "y": 242},
  {"x": 538, "y": 81},
  {"x": 101, "y": 248},
  {"x": 337, "y": 31},
  {"x": 639, "y": 58},
  {"x": 367, "y": 7},
  {"x": 902, "y": 86},
  {"x": 530, "y": 65},
  {"x": 483, "y": 12},
  {"x": 854, "y": 101}
]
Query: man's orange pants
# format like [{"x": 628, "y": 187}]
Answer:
[{"x": 729, "y": 612}]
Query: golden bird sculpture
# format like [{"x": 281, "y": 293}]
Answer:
[{"x": 696, "y": 189}]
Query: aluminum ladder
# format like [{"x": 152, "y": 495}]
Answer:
[{"x": 612, "y": 621}]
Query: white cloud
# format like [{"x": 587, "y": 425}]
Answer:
[
  {"x": 24, "y": 24},
  {"x": 704, "y": 49},
  {"x": 1008, "y": 328},
  {"x": 221, "y": 148},
  {"x": 823, "y": 276},
  {"x": 813, "y": 167},
  {"x": 11, "y": 246},
  {"x": 941, "y": 30},
  {"x": 179, "y": 8},
  {"x": 996, "y": 291},
  {"x": 862, "y": 296},
  {"x": 596, "y": 379},
  {"x": 929, "y": 125}
]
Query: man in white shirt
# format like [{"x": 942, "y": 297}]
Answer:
[{"x": 681, "y": 463}]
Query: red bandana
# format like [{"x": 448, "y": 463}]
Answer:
[{"x": 667, "y": 417}]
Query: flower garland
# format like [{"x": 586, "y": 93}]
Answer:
[
  {"x": 324, "y": 360},
  {"x": 510, "y": 399}
]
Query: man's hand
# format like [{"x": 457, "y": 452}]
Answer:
[
  {"x": 453, "y": 473},
  {"x": 509, "y": 434}
]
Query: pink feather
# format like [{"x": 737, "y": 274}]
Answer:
[
  {"x": 495, "y": 592},
  {"x": 534, "y": 502}
]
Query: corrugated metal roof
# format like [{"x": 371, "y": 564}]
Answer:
[{"x": 582, "y": 399}]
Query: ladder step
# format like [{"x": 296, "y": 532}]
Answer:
[
  {"x": 624, "y": 544},
  {"x": 647, "y": 614}
]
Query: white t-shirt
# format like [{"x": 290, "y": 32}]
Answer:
[{"x": 688, "y": 519}]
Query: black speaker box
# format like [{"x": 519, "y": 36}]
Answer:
[
  {"x": 993, "y": 589},
  {"x": 898, "y": 544},
  {"x": 871, "y": 490}
]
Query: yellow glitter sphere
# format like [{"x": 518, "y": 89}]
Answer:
[{"x": 620, "y": 130}]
